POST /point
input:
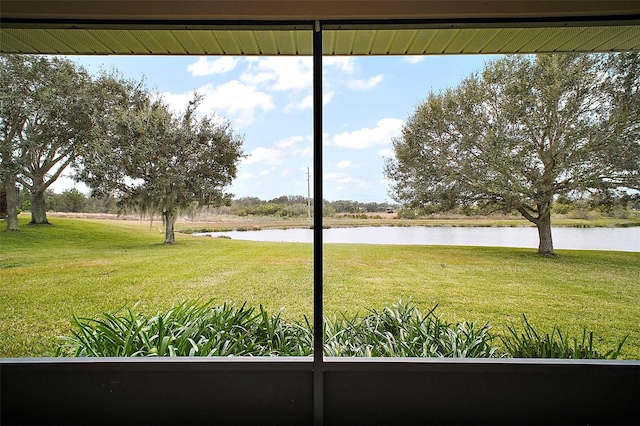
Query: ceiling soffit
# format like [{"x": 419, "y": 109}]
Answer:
[
  {"x": 337, "y": 41},
  {"x": 283, "y": 27}
]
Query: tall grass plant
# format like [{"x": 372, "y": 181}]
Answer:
[{"x": 400, "y": 330}]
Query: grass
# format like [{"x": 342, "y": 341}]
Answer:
[{"x": 86, "y": 267}]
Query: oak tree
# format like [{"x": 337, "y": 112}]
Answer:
[
  {"x": 518, "y": 134},
  {"x": 162, "y": 162},
  {"x": 45, "y": 119}
]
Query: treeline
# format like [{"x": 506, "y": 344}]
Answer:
[
  {"x": 71, "y": 201},
  {"x": 297, "y": 205},
  {"x": 355, "y": 207},
  {"x": 285, "y": 206},
  {"x": 589, "y": 206},
  {"x": 598, "y": 204}
]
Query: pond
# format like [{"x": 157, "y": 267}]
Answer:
[{"x": 623, "y": 239}]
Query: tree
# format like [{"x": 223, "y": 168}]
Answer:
[
  {"x": 523, "y": 131},
  {"x": 623, "y": 132},
  {"x": 47, "y": 118},
  {"x": 11, "y": 91},
  {"x": 72, "y": 200},
  {"x": 157, "y": 161}
]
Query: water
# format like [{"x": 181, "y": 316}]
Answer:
[{"x": 623, "y": 239}]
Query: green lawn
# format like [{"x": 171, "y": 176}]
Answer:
[{"x": 88, "y": 267}]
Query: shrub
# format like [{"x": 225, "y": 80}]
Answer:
[
  {"x": 532, "y": 344},
  {"x": 401, "y": 330},
  {"x": 188, "y": 329},
  {"x": 407, "y": 214}
]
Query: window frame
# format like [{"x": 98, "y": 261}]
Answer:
[{"x": 319, "y": 390}]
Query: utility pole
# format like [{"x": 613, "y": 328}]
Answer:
[{"x": 308, "y": 193}]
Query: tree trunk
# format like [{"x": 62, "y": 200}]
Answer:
[
  {"x": 38, "y": 209},
  {"x": 169, "y": 219},
  {"x": 544, "y": 231},
  {"x": 12, "y": 203}
]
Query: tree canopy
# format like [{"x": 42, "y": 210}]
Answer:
[
  {"x": 163, "y": 162},
  {"x": 521, "y": 132},
  {"x": 118, "y": 137},
  {"x": 46, "y": 119}
]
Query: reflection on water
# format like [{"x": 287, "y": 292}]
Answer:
[{"x": 624, "y": 239}]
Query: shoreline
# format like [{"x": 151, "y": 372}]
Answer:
[{"x": 226, "y": 223}]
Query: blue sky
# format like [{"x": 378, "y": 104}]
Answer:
[{"x": 366, "y": 101}]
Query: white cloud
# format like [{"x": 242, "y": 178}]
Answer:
[
  {"x": 337, "y": 177},
  {"x": 386, "y": 153},
  {"x": 287, "y": 143},
  {"x": 343, "y": 179},
  {"x": 343, "y": 164},
  {"x": 413, "y": 59},
  {"x": 385, "y": 129},
  {"x": 256, "y": 79},
  {"x": 278, "y": 153},
  {"x": 233, "y": 99},
  {"x": 326, "y": 97},
  {"x": 342, "y": 63},
  {"x": 295, "y": 74},
  {"x": 217, "y": 66},
  {"x": 281, "y": 73},
  {"x": 240, "y": 99},
  {"x": 234, "y": 96},
  {"x": 177, "y": 101},
  {"x": 307, "y": 102},
  {"x": 365, "y": 84},
  {"x": 264, "y": 172},
  {"x": 265, "y": 156},
  {"x": 286, "y": 74},
  {"x": 246, "y": 176},
  {"x": 304, "y": 152},
  {"x": 325, "y": 139}
]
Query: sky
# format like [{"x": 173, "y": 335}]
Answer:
[{"x": 269, "y": 101}]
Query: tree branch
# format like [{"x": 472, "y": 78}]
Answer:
[
  {"x": 523, "y": 210},
  {"x": 57, "y": 174}
]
